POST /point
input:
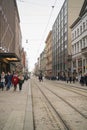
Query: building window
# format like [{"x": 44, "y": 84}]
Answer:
[
  {"x": 78, "y": 32},
  {"x": 80, "y": 44},
  {"x": 75, "y": 34},
  {"x": 62, "y": 24},
  {"x": 65, "y": 11},
  {"x": 72, "y": 36},
  {"x": 62, "y": 14},
  {"x": 83, "y": 42},
  {"x": 80, "y": 29},
  {"x": 78, "y": 47},
  {"x": 75, "y": 49},
  {"x": 65, "y": 28},
  {"x": 65, "y": 36},
  {"x": 86, "y": 41},
  {"x": 65, "y": 20},
  {"x": 83, "y": 26}
]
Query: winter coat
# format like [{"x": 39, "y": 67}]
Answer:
[
  {"x": 15, "y": 80},
  {"x": 21, "y": 79}
]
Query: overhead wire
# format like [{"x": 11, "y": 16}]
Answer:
[
  {"x": 44, "y": 32},
  {"x": 53, "y": 6}
]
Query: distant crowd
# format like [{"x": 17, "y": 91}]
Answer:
[
  {"x": 8, "y": 80},
  {"x": 71, "y": 78},
  {"x": 82, "y": 79}
]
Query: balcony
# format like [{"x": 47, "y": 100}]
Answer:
[{"x": 84, "y": 51}]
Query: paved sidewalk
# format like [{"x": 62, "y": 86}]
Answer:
[
  {"x": 76, "y": 84},
  {"x": 16, "y": 109}
]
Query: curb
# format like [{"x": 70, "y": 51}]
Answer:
[{"x": 28, "y": 122}]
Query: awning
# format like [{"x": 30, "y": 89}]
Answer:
[{"x": 10, "y": 57}]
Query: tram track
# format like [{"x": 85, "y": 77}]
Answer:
[
  {"x": 73, "y": 89},
  {"x": 64, "y": 123},
  {"x": 80, "y": 89},
  {"x": 67, "y": 103},
  {"x": 69, "y": 89},
  {"x": 44, "y": 88}
]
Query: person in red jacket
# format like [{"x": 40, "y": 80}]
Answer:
[{"x": 15, "y": 81}]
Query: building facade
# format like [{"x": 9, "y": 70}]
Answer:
[
  {"x": 49, "y": 55},
  {"x": 79, "y": 41},
  {"x": 61, "y": 36},
  {"x": 10, "y": 35},
  {"x": 42, "y": 68}
]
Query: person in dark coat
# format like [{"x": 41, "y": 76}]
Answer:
[
  {"x": 70, "y": 78},
  {"x": 21, "y": 81},
  {"x": 40, "y": 77},
  {"x": 74, "y": 78},
  {"x": 82, "y": 80},
  {"x": 86, "y": 79},
  {"x": 8, "y": 80}
]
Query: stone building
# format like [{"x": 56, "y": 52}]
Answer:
[
  {"x": 37, "y": 67},
  {"x": 79, "y": 41},
  {"x": 61, "y": 33},
  {"x": 10, "y": 35},
  {"x": 49, "y": 55},
  {"x": 42, "y": 68}
]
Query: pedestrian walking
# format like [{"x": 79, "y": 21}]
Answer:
[
  {"x": 2, "y": 80},
  {"x": 74, "y": 78},
  {"x": 67, "y": 77},
  {"x": 79, "y": 77},
  {"x": 86, "y": 79},
  {"x": 21, "y": 81},
  {"x": 70, "y": 78},
  {"x": 82, "y": 80},
  {"x": 15, "y": 81},
  {"x": 40, "y": 77},
  {"x": 8, "y": 80}
]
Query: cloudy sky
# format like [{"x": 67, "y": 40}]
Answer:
[{"x": 36, "y": 20}]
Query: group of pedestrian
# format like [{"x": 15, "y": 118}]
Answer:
[
  {"x": 70, "y": 78},
  {"x": 83, "y": 80},
  {"x": 7, "y": 80}
]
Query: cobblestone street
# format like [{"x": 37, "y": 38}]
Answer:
[{"x": 47, "y": 105}]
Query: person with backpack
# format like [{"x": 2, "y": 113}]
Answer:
[{"x": 21, "y": 81}]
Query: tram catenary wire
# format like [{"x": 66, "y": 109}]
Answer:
[{"x": 44, "y": 32}]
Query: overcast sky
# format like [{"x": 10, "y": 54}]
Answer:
[{"x": 36, "y": 20}]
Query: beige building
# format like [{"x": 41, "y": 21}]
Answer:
[
  {"x": 49, "y": 55},
  {"x": 43, "y": 62},
  {"x": 37, "y": 67},
  {"x": 10, "y": 35},
  {"x": 79, "y": 41}
]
